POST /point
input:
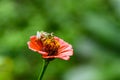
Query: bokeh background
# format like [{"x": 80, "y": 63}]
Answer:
[{"x": 91, "y": 26}]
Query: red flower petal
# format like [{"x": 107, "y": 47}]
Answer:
[
  {"x": 64, "y": 57},
  {"x": 65, "y": 47},
  {"x": 35, "y": 45}
]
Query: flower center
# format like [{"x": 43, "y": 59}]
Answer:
[{"x": 50, "y": 45}]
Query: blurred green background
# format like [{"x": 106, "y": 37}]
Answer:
[{"x": 91, "y": 26}]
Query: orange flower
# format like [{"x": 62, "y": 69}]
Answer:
[{"x": 50, "y": 46}]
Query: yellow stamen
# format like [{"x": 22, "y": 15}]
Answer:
[{"x": 51, "y": 46}]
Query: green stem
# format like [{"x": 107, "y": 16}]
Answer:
[{"x": 45, "y": 64}]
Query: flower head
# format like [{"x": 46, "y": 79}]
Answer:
[{"x": 50, "y": 46}]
